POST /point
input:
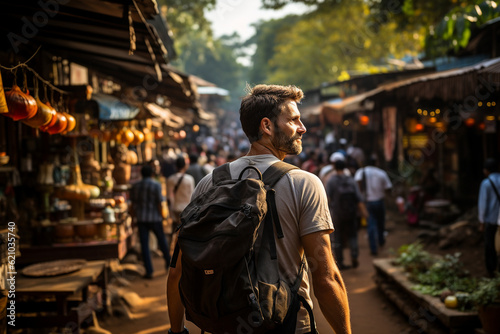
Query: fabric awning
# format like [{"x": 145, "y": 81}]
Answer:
[{"x": 113, "y": 109}]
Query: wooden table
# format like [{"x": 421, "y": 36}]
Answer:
[{"x": 36, "y": 295}]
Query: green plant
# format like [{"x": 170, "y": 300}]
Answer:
[
  {"x": 413, "y": 258},
  {"x": 486, "y": 292}
]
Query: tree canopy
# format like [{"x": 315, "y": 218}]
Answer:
[{"x": 329, "y": 45}]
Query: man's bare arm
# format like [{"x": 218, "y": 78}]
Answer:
[
  {"x": 175, "y": 307},
  {"x": 328, "y": 284}
]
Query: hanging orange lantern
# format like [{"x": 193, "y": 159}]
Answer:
[
  {"x": 419, "y": 127},
  {"x": 364, "y": 120},
  {"x": 469, "y": 122}
]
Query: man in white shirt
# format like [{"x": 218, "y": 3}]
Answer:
[{"x": 374, "y": 183}]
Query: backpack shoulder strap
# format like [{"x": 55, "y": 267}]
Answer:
[
  {"x": 270, "y": 177},
  {"x": 274, "y": 173},
  {"x": 221, "y": 173}
]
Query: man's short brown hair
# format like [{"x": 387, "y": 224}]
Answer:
[{"x": 264, "y": 101}]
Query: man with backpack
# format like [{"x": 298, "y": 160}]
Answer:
[
  {"x": 345, "y": 203},
  {"x": 299, "y": 221}
]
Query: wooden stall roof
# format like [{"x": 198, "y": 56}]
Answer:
[
  {"x": 125, "y": 40},
  {"x": 451, "y": 85},
  {"x": 117, "y": 29}
]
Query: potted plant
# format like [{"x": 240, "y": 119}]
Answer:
[{"x": 486, "y": 298}]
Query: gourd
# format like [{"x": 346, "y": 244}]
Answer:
[
  {"x": 3, "y": 101},
  {"x": 19, "y": 104},
  {"x": 53, "y": 120},
  {"x": 43, "y": 115},
  {"x": 138, "y": 137},
  {"x": 71, "y": 122},
  {"x": 59, "y": 126},
  {"x": 77, "y": 190}
]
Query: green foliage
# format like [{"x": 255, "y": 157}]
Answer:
[
  {"x": 413, "y": 258},
  {"x": 445, "y": 274},
  {"x": 324, "y": 45},
  {"x": 453, "y": 32},
  {"x": 265, "y": 37},
  {"x": 438, "y": 276},
  {"x": 487, "y": 291},
  {"x": 214, "y": 60}
]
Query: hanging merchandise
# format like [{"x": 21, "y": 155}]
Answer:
[
  {"x": 59, "y": 121},
  {"x": 21, "y": 105},
  {"x": 60, "y": 124},
  {"x": 3, "y": 102},
  {"x": 44, "y": 113}
]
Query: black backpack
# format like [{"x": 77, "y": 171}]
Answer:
[
  {"x": 345, "y": 201},
  {"x": 230, "y": 280}
]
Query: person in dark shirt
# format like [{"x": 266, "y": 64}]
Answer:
[
  {"x": 146, "y": 203},
  {"x": 194, "y": 169}
]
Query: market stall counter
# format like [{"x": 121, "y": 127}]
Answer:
[
  {"x": 104, "y": 233},
  {"x": 61, "y": 293}
]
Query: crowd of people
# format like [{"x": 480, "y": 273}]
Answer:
[
  {"x": 352, "y": 183},
  {"x": 321, "y": 204},
  {"x": 334, "y": 190}
]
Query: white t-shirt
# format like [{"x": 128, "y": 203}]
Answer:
[
  {"x": 302, "y": 207},
  {"x": 377, "y": 182},
  {"x": 182, "y": 196}
]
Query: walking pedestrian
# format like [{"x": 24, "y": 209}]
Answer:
[
  {"x": 374, "y": 184},
  {"x": 146, "y": 207},
  {"x": 345, "y": 203},
  {"x": 271, "y": 121},
  {"x": 488, "y": 206},
  {"x": 180, "y": 187},
  {"x": 195, "y": 169}
]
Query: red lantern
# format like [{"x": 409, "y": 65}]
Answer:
[
  {"x": 419, "y": 127},
  {"x": 364, "y": 120},
  {"x": 469, "y": 122}
]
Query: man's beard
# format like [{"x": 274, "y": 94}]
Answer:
[{"x": 286, "y": 144}]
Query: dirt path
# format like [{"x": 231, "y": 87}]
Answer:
[{"x": 371, "y": 312}]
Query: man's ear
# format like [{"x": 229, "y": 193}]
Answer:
[{"x": 266, "y": 126}]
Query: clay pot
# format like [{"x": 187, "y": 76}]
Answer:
[
  {"x": 86, "y": 231},
  {"x": 121, "y": 174},
  {"x": 64, "y": 231},
  {"x": 489, "y": 314}
]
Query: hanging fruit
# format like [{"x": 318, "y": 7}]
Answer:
[
  {"x": 71, "y": 123},
  {"x": 138, "y": 137},
  {"x": 44, "y": 113},
  {"x": 126, "y": 136},
  {"x": 59, "y": 126},
  {"x": 53, "y": 119},
  {"x": 19, "y": 104},
  {"x": 3, "y": 101}
]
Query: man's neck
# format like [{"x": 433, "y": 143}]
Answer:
[{"x": 258, "y": 148}]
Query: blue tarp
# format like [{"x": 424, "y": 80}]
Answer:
[{"x": 112, "y": 109}]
